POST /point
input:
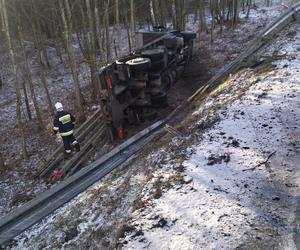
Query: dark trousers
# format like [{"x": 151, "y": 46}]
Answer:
[{"x": 69, "y": 142}]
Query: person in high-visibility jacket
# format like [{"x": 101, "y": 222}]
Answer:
[{"x": 64, "y": 125}]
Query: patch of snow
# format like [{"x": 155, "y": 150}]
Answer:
[{"x": 231, "y": 201}]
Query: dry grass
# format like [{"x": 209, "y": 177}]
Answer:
[
  {"x": 122, "y": 230},
  {"x": 138, "y": 204},
  {"x": 176, "y": 179},
  {"x": 264, "y": 68},
  {"x": 157, "y": 188}
]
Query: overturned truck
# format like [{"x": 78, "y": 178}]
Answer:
[{"x": 134, "y": 87}]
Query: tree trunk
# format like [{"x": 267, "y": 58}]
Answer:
[
  {"x": 118, "y": 28},
  {"x": 26, "y": 100},
  {"x": 128, "y": 32},
  {"x": 56, "y": 32},
  {"x": 202, "y": 17},
  {"x": 66, "y": 18},
  {"x": 132, "y": 25},
  {"x": 2, "y": 165},
  {"x": 29, "y": 79},
  {"x": 16, "y": 82},
  {"x": 107, "y": 33},
  {"x": 92, "y": 52},
  {"x": 174, "y": 13},
  {"x": 99, "y": 37},
  {"x": 249, "y": 3},
  {"x": 213, "y": 10},
  {"x": 39, "y": 38},
  {"x": 163, "y": 7},
  {"x": 152, "y": 13},
  {"x": 45, "y": 85}
]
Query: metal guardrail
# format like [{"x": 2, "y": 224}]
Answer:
[{"x": 22, "y": 218}]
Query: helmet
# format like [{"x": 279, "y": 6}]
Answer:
[{"x": 59, "y": 106}]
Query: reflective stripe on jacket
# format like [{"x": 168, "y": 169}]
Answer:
[{"x": 63, "y": 123}]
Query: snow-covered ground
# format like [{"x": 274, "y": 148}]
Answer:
[
  {"x": 230, "y": 179},
  {"x": 239, "y": 186}
]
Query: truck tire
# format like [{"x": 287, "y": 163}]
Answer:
[
  {"x": 140, "y": 102},
  {"x": 154, "y": 54},
  {"x": 166, "y": 82},
  {"x": 139, "y": 64},
  {"x": 159, "y": 101},
  {"x": 158, "y": 65},
  {"x": 122, "y": 69},
  {"x": 124, "y": 59},
  {"x": 155, "y": 91},
  {"x": 135, "y": 84},
  {"x": 174, "y": 75},
  {"x": 156, "y": 83},
  {"x": 153, "y": 75}
]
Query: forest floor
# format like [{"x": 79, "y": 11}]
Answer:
[{"x": 229, "y": 179}]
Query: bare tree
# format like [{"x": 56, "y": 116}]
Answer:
[
  {"x": 2, "y": 164},
  {"x": 45, "y": 86},
  {"x": 118, "y": 28},
  {"x": 67, "y": 24},
  {"x": 29, "y": 78},
  {"x": 92, "y": 51},
  {"x": 99, "y": 37},
  {"x": 26, "y": 100},
  {"x": 132, "y": 24},
  {"x": 107, "y": 32},
  {"x": 16, "y": 81},
  {"x": 202, "y": 17}
]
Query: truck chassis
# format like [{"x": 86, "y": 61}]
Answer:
[{"x": 134, "y": 87}]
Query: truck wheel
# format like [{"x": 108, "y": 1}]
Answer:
[
  {"x": 139, "y": 64},
  {"x": 166, "y": 82},
  {"x": 135, "y": 84},
  {"x": 155, "y": 91},
  {"x": 122, "y": 68},
  {"x": 153, "y": 75},
  {"x": 124, "y": 59},
  {"x": 155, "y": 83},
  {"x": 174, "y": 75},
  {"x": 154, "y": 54},
  {"x": 158, "y": 65},
  {"x": 159, "y": 101},
  {"x": 140, "y": 102}
]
